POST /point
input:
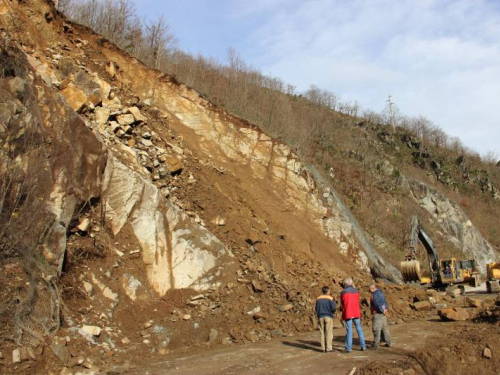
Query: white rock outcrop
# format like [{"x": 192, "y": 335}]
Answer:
[{"x": 178, "y": 253}]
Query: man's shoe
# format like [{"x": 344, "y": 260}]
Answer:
[
  {"x": 374, "y": 347},
  {"x": 363, "y": 349},
  {"x": 347, "y": 351},
  {"x": 389, "y": 345},
  {"x": 328, "y": 350}
]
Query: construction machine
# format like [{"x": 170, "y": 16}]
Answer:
[
  {"x": 493, "y": 274},
  {"x": 444, "y": 272}
]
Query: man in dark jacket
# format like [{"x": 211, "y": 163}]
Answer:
[
  {"x": 351, "y": 313},
  {"x": 379, "y": 308},
  {"x": 325, "y": 308}
]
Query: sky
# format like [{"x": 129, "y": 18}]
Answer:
[{"x": 437, "y": 58}]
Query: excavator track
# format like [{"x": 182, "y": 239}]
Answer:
[{"x": 410, "y": 269}]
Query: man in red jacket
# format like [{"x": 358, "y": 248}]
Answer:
[{"x": 349, "y": 298}]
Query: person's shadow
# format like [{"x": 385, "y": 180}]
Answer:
[{"x": 314, "y": 346}]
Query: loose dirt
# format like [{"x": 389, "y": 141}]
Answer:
[{"x": 300, "y": 354}]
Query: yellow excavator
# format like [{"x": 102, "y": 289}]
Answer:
[
  {"x": 443, "y": 273},
  {"x": 493, "y": 273}
]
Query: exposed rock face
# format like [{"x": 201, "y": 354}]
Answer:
[
  {"x": 241, "y": 145},
  {"x": 63, "y": 160},
  {"x": 178, "y": 252},
  {"x": 454, "y": 223}
]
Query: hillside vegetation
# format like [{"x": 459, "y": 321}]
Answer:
[{"x": 364, "y": 157}]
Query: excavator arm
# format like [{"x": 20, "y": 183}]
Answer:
[{"x": 410, "y": 267}]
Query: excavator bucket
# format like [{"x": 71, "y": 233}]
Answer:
[{"x": 410, "y": 269}]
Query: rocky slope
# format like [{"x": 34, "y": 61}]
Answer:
[{"x": 159, "y": 219}]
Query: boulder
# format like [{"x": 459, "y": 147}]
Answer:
[
  {"x": 75, "y": 97},
  {"x": 422, "y": 306},
  {"x": 453, "y": 314},
  {"x": 126, "y": 119},
  {"x": 473, "y": 302},
  {"x": 174, "y": 164},
  {"x": 61, "y": 351},
  {"x": 138, "y": 116},
  {"x": 101, "y": 116},
  {"x": 435, "y": 295},
  {"x": 92, "y": 330},
  {"x": 420, "y": 295}
]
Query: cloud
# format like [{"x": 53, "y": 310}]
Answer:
[{"x": 438, "y": 58}]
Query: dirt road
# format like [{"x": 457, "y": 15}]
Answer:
[{"x": 295, "y": 355}]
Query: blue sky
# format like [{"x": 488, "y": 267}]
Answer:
[{"x": 438, "y": 58}]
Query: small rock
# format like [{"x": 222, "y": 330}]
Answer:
[
  {"x": 147, "y": 142},
  {"x": 148, "y": 324},
  {"x": 147, "y": 135},
  {"x": 111, "y": 69},
  {"x": 84, "y": 224},
  {"x": 163, "y": 351},
  {"x": 285, "y": 308},
  {"x": 288, "y": 259},
  {"x": 422, "y": 306},
  {"x": 259, "y": 315},
  {"x": 88, "y": 288},
  {"x": 254, "y": 311},
  {"x": 257, "y": 287},
  {"x": 16, "y": 356},
  {"x": 244, "y": 281},
  {"x": 176, "y": 149},
  {"x": 125, "y": 341},
  {"x": 197, "y": 297},
  {"x": 87, "y": 364},
  {"x": 76, "y": 361},
  {"x": 487, "y": 353},
  {"x": 92, "y": 330},
  {"x": 220, "y": 221},
  {"x": 213, "y": 335},
  {"x": 252, "y": 336},
  {"x": 186, "y": 317},
  {"x": 226, "y": 341}
]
